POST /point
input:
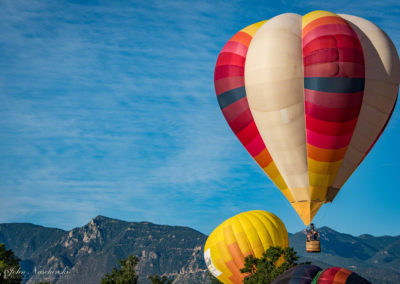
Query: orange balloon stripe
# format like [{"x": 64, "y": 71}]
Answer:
[
  {"x": 243, "y": 38},
  {"x": 237, "y": 261},
  {"x": 263, "y": 159},
  {"x": 237, "y": 255},
  {"x": 323, "y": 21},
  {"x": 341, "y": 276},
  {"x": 236, "y": 277},
  {"x": 325, "y": 155}
]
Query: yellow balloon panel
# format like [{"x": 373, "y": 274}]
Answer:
[{"x": 251, "y": 232}]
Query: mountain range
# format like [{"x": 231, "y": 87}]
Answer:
[{"x": 85, "y": 254}]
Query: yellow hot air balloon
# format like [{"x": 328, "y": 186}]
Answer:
[
  {"x": 251, "y": 232},
  {"x": 308, "y": 97}
]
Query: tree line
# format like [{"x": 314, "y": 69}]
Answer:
[{"x": 265, "y": 269}]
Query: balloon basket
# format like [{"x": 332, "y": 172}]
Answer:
[{"x": 313, "y": 246}]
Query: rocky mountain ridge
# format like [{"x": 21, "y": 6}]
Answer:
[{"x": 94, "y": 249}]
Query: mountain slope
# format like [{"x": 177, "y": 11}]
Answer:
[
  {"x": 94, "y": 249},
  {"x": 376, "y": 258}
]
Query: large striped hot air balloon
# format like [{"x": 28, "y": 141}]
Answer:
[
  {"x": 308, "y": 97},
  {"x": 248, "y": 233}
]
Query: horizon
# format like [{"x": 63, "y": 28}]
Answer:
[
  {"x": 171, "y": 225},
  {"x": 109, "y": 108}
]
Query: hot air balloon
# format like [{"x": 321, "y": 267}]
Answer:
[
  {"x": 247, "y": 233},
  {"x": 338, "y": 275},
  {"x": 300, "y": 274},
  {"x": 308, "y": 97}
]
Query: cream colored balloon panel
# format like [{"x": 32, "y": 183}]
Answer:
[{"x": 274, "y": 85}]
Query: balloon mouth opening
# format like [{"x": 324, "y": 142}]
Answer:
[{"x": 307, "y": 210}]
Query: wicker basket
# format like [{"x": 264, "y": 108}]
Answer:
[{"x": 313, "y": 246}]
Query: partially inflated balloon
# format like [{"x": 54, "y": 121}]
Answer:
[
  {"x": 300, "y": 274},
  {"x": 338, "y": 275},
  {"x": 308, "y": 97},
  {"x": 247, "y": 233}
]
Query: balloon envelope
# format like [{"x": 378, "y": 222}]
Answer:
[
  {"x": 247, "y": 233},
  {"x": 308, "y": 97},
  {"x": 338, "y": 275},
  {"x": 300, "y": 274}
]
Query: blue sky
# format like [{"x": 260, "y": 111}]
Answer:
[{"x": 108, "y": 108}]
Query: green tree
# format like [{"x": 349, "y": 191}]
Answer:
[
  {"x": 265, "y": 269},
  {"x": 125, "y": 275},
  {"x": 155, "y": 279},
  {"x": 214, "y": 280},
  {"x": 10, "y": 272}
]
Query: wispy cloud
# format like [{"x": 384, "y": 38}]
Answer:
[{"x": 108, "y": 106}]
